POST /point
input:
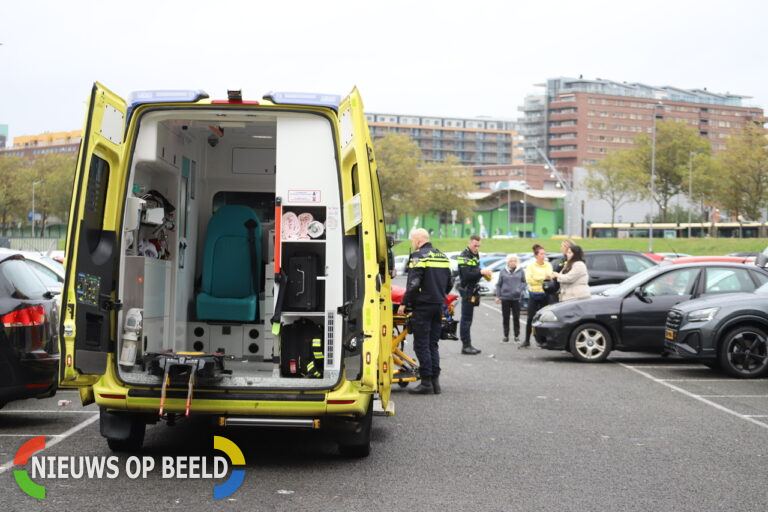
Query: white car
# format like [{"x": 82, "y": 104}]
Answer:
[
  {"x": 401, "y": 263},
  {"x": 50, "y": 271}
]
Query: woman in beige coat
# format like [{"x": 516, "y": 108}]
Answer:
[{"x": 574, "y": 278}]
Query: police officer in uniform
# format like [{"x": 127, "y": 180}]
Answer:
[
  {"x": 429, "y": 281},
  {"x": 469, "y": 275}
]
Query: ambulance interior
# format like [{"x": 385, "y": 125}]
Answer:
[{"x": 198, "y": 259}]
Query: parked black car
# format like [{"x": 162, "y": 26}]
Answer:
[
  {"x": 611, "y": 267},
  {"x": 729, "y": 331},
  {"x": 29, "y": 348},
  {"x": 632, "y": 315}
]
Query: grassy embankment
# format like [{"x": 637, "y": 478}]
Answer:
[{"x": 695, "y": 246}]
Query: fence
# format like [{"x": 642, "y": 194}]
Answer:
[{"x": 30, "y": 244}]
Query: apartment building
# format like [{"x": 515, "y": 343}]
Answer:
[
  {"x": 31, "y": 146},
  {"x": 584, "y": 119},
  {"x": 478, "y": 141}
]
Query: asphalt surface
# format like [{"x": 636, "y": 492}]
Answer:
[{"x": 513, "y": 430}]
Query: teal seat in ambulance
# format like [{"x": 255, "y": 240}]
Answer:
[{"x": 229, "y": 290}]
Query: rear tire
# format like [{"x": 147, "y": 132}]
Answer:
[
  {"x": 744, "y": 353},
  {"x": 590, "y": 343},
  {"x": 135, "y": 439},
  {"x": 356, "y": 445}
]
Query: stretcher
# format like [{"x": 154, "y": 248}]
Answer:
[{"x": 406, "y": 367}]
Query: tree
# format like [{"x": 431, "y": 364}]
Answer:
[
  {"x": 674, "y": 143},
  {"x": 449, "y": 185},
  {"x": 52, "y": 196},
  {"x": 12, "y": 197},
  {"x": 613, "y": 180},
  {"x": 743, "y": 178},
  {"x": 402, "y": 185}
]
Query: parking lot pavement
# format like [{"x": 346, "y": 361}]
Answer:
[
  {"x": 513, "y": 430},
  {"x": 25, "y": 419},
  {"x": 744, "y": 399}
]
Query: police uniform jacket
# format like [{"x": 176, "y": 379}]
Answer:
[
  {"x": 469, "y": 272},
  {"x": 429, "y": 277}
]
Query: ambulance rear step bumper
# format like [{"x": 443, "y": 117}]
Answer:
[{"x": 307, "y": 423}]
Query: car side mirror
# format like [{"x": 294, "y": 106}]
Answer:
[
  {"x": 640, "y": 294},
  {"x": 761, "y": 260}
]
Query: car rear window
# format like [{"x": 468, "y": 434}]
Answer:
[{"x": 19, "y": 281}]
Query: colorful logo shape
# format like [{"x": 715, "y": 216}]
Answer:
[
  {"x": 22, "y": 477},
  {"x": 237, "y": 476}
]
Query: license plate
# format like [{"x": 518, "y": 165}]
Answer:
[{"x": 669, "y": 334}]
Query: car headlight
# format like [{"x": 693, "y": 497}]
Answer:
[
  {"x": 702, "y": 315},
  {"x": 547, "y": 316}
]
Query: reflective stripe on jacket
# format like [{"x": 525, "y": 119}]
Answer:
[{"x": 429, "y": 277}]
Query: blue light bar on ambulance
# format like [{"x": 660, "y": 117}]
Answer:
[
  {"x": 304, "y": 98},
  {"x": 169, "y": 96}
]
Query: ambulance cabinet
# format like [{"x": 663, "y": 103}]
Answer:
[{"x": 147, "y": 284}]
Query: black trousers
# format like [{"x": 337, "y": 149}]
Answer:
[
  {"x": 467, "y": 312},
  {"x": 426, "y": 322},
  {"x": 533, "y": 306},
  {"x": 506, "y": 307}
]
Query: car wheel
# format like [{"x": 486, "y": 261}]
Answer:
[
  {"x": 744, "y": 353},
  {"x": 590, "y": 343},
  {"x": 132, "y": 443},
  {"x": 356, "y": 445}
]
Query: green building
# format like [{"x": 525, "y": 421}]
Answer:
[{"x": 513, "y": 212}]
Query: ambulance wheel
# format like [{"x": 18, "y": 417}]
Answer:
[
  {"x": 357, "y": 444},
  {"x": 124, "y": 433}
]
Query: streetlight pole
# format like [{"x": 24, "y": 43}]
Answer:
[
  {"x": 653, "y": 176},
  {"x": 562, "y": 184},
  {"x": 33, "y": 206}
]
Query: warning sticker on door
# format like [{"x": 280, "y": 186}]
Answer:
[{"x": 303, "y": 196}]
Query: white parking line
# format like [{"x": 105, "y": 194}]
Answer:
[
  {"x": 669, "y": 366},
  {"x": 30, "y": 435},
  {"x": 697, "y": 397},
  {"x": 47, "y": 411},
  {"x": 58, "y": 438},
  {"x": 490, "y": 307},
  {"x": 756, "y": 415},
  {"x": 734, "y": 396},
  {"x": 701, "y": 380}
]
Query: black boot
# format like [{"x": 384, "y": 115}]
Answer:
[
  {"x": 468, "y": 349},
  {"x": 424, "y": 387},
  {"x": 436, "y": 385}
]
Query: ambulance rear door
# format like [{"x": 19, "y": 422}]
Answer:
[
  {"x": 89, "y": 299},
  {"x": 357, "y": 155}
]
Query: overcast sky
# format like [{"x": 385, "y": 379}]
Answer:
[{"x": 450, "y": 58}]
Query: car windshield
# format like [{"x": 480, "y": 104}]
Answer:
[
  {"x": 763, "y": 290},
  {"x": 631, "y": 283}
]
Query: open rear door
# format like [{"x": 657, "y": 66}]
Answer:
[
  {"x": 357, "y": 155},
  {"x": 89, "y": 300}
]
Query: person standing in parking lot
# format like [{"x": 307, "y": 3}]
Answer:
[
  {"x": 509, "y": 290},
  {"x": 469, "y": 275},
  {"x": 429, "y": 281},
  {"x": 535, "y": 274},
  {"x": 560, "y": 265},
  {"x": 574, "y": 277}
]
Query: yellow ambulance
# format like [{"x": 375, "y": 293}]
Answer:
[{"x": 227, "y": 257}]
